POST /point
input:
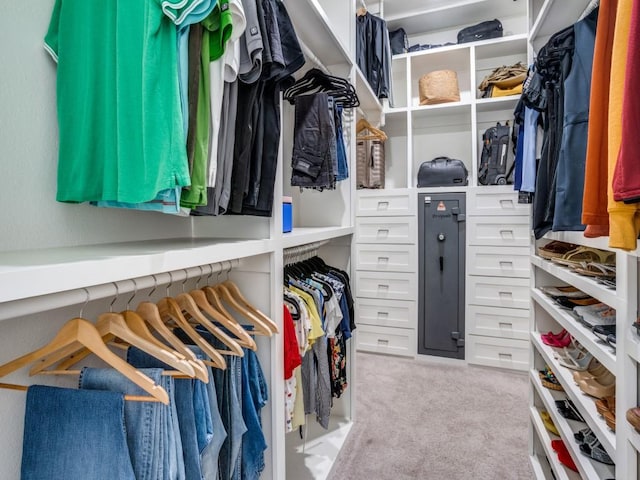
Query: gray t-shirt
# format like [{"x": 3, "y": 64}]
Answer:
[{"x": 251, "y": 45}]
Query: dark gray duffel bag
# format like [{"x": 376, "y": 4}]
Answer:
[{"x": 442, "y": 172}]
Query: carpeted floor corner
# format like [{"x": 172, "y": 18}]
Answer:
[{"x": 421, "y": 419}]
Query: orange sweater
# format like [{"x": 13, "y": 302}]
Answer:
[
  {"x": 623, "y": 218},
  {"x": 594, "y": 204}
]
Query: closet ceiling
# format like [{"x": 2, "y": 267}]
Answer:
[{"x": 417, "y": 16}]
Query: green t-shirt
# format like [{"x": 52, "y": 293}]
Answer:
[
  {"x": 221, "y": 26},
  {"x": 119, "y": 116}
]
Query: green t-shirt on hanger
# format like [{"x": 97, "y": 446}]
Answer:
[
  {"x": 121, "y": 135},
  {"x": 221, "y": 30}
]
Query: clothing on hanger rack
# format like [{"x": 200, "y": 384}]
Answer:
[{"x": 373, "y": 53}]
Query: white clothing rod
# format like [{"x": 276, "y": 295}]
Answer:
[
  {"x": 593, "y": 4},
  {"x": 302, "y": 252},
  {"x": 42, "y": 303}
]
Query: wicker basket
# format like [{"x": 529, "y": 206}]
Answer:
[{"x": 440, "y": 86}]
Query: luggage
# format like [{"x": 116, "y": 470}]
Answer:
[
  {"x": 480, "y": 31},
  {"x": 398, "y": 41},
  {"x": 493, "y": 160},
  {"x": 440, "y": 86},
  {"x": 370, "y": 163},
  {"x": 442, "y": 172}
]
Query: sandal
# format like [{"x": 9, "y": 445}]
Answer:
[
  {"x": 559, "y": 340},
  {"x": 563, "y": 291},
  {"x": 563, "y": 454},
  {"x": 633, "y": 417},
  {"x": 580, "y": 255},
  {"x": 584, "y": 435},
  {"x": 568, "y": 410},
  {"x": 611, "y": 340},
  {"x": 555, "y": 249},
  {"x": 606, "y": 404},
  {"x": 571, "y": 303},
  {"x": 595, "y": 451},
  {"x": 548, "y": 423},
  {"x": 600, "y": 317},
  {"x": 575, "y": 359},
  {"x": 594, "y": 369},
  {"x": 603, "y": 331},
  {"x": 610, "y": 419},
  {"x": 599, "y": 388},
  {"x": 549, "y": 380},
  {"x": 595, "y": 269}
]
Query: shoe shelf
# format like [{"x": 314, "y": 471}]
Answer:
[
  {"x": 588, "y": 468},
  {"x": 583, "y": 402},
  {"x": 602, "y": 351},
  {"x": 540, "y": 467},
  {"x": 634, "y": 437},
  {"x": 560, "y": 472},
  {"x": 586, "y": 284},
  {"x": 632, "y": 343}
]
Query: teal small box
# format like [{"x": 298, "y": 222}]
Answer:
[{"x": 287, "y": 214}]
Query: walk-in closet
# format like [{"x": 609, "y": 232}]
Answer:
[{"x": 319, "y": 240}]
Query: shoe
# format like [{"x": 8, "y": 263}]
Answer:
[
  {"x": 611, "y": 340},
  {"x": 584, "y": 435},
  {"x": 575, "y": 359},
  {"x": 594, "y": 387},
  {"x": 594, "y": 369},
  {"x": 583, "y": 254},
  {"x": 571, "y": 303},
  {"x": 610, "y": 420},
  {"x": 555, "y": 249},
  {"x": 564, "y": 291},
  {"x": 601, "y": 317},
  {"x": 602, "y": 331},
  {"x": 606, "y": 404},
  {"x": 568, "y": 410},
  {"x": 548, "y": 423},
  {"x": 633, "y": 417},
  {"x": 559, "y": 340},
  {"x": 563, "y": 454},
  {"x": 549, "y": 380},
  {"x": 595, "y": 451},
  {"x": 596, "y": 269}
]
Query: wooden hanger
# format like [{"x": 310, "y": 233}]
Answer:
[
  {"x": 217, "y": 312},
  {"x": 361, "y": 12},
  {"x": 112, "y": 326},
  {"x": 189, "y": 305},
  {"x": 170, "y": 310},
  {"x": 260, "y": 328},
  {"x": 375, "y": 133},
  {"x": 82, "y": 332},
  {"x": 149, "y": 313},
  {"x": 235, "y": 292}
]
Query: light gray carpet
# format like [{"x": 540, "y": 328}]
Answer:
[{"x": 424, "y": 420}]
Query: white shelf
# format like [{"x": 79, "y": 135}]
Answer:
[
  {"x": 584, "y": 403},
  {"x": 450, "y": 108},
  {"x": 634, "y": 438},
  {"x": 586, "y": 284},
  {"x": 496, "y": 104},
  {"x": 560, "y": 471},
  {"x": 314, "y": 29},
  {"x": 303, "y": 235},
  {"x": 539, "y": 470},
  {"x": 588, "y": 468},
  {"x": 579, "y": 239},
  {"x": 602, "y": 351},
  {"x": 415, "y": 17},
  {"x": 632, "y": 346},
  {"x": 25, "y": 274},
  {"x": 553, "y": 17},
  {"x": 369, "y": 103}
]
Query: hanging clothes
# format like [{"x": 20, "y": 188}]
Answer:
[
  {"x": 373, "y": 53},
  {"x": 136, "y": 148}
]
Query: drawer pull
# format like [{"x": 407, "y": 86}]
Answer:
[
  {"x": 383, "y": 342},
  {"x": 506, "y": 203},
  {"x": 383, "y": 260},
  {"x": 383, "y": 205},
  {"x": 383, "y": 314},
  {"x": 505, "y": 356},
  {"x": 506, "y": 264},
  {"x": 506, "y": 294},
  {"x": 505, "y": 325},
  {"x": 383, "y": 232},
  {"x": 507, "y": 234},
  {"x": 383, "y": 287}
]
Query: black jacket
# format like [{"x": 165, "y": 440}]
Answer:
[{"x": 373, "y": 52}]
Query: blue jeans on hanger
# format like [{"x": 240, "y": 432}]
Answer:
[
  {"x": 254, "y": 397},
  {"x": 72, "y": 433},
  {"x": 147, "y": 423}
]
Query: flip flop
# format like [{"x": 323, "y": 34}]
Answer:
[
  {"x": 595, "y": 269},
  {"x": 583, "y": 254},
  {"x": 568, "y": 291},
  {"x": 570, "y": 303}
]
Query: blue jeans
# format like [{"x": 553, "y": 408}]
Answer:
[
  {"x": 185, "y": 412},
  {"x": 65, "y": 428},
  {"x": 343, "y": 164},
  {"x": 254, "y": 397},
  {"x": 147, "y": 423}
]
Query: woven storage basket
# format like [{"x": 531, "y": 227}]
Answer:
[{"x": 440, "y": 86}]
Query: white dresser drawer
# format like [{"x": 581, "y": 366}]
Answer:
[
  {"x": 498, "y": 292},
  {"x": 497, "y": 352},
  {"x": 385, "y": 204},
  {"x": 395, "y": 286},
  {"x": 391, "y": 341},
  {"x": 386, "y": 258},
  {"x": 386, "y": 313},
  {"x": 499, "y": 231},
  {"x": 388, "y": 230},
  {"x": 499, "y": 261},
  {"x": 498, "y": 322},
  {"x": 483, "y": 202}
]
